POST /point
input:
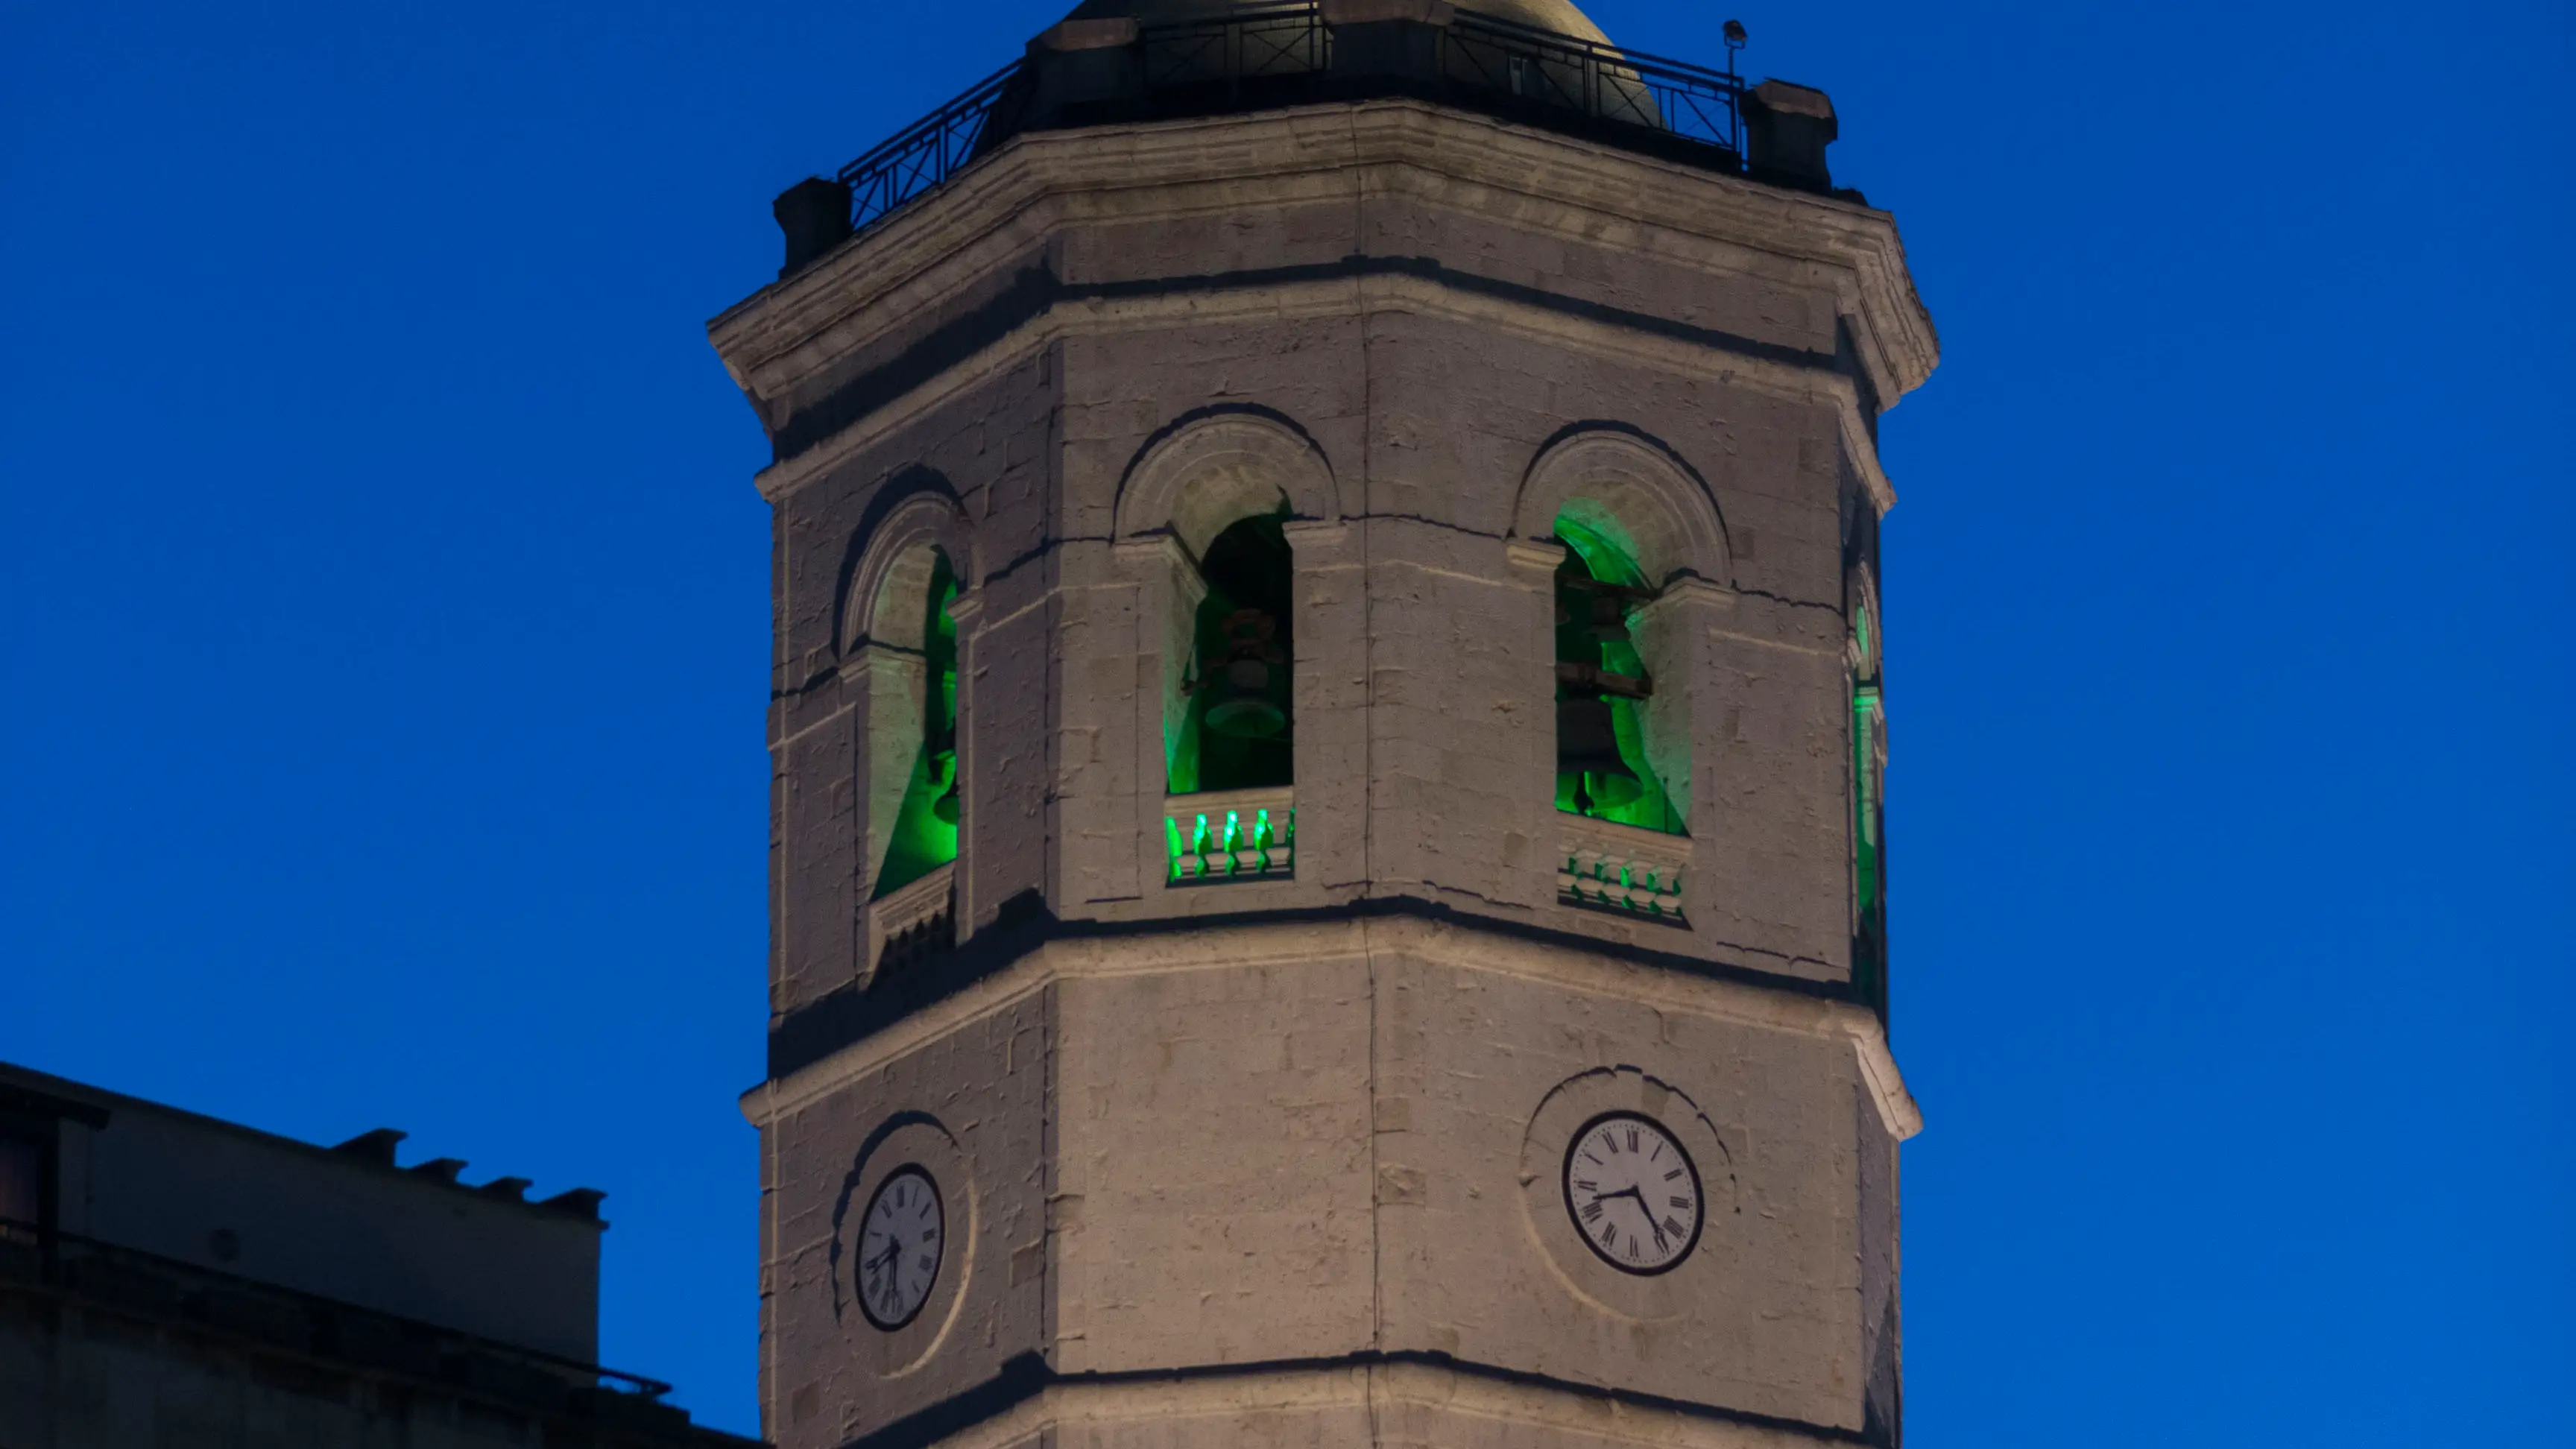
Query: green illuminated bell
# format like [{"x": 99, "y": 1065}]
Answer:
[
  {"x": 943, "y": 767},
  {"x": 1243, "y": 703},
  {"x": 1587, "y": 744},
  {"x": 1608, "y": 621},
  {"x": 1243, "y": 707},
  {"x": 1614, "y": 791}
]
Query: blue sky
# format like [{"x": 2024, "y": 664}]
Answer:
[{"x": 386, "y": 647}]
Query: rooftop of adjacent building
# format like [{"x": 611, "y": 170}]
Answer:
[
  {"x": 349, "y": 1222},
  {"x": 27, "y": 1092},
  {"x": 340, "y": 1259}
]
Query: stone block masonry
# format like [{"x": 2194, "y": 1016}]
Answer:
[{"x": 1276, "y": 1154}]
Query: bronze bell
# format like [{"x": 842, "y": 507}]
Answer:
[
  {"x": 1602, "y": 609},
  {"x": 1610, "y": 618},
  {"x": 1243, "y": 704},
  {"x": 1587, "y": 744},
  {"x": 943, "y": 768}
]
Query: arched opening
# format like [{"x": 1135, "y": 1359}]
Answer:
[
  {"x": 921, "y": 741},
  {"x": 1238, "y": 711},
  {"x": 1605, "y": 753},
  {"x": 1869, "y": 807}
]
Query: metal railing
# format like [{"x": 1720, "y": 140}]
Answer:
[
  {"x": 1596, "y": 81},
  {"x": 1252, "y": 45},
  {"x": 925, "y": 153},
  {"x": 1288, "y": 54}
]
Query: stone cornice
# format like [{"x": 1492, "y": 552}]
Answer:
[
  {"x": 1288, "y": 945},
  {"x": 1028, "y": 1404},
  {"x": 1007, "y": 206},
  {"x": 1331, "y": 297}
]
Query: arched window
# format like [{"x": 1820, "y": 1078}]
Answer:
[
  {"x": 1869, "y": 792},
  {"x": 919, "y": 734},
  {"x": 1604, "y": 757},
  {"x": 1238, "y": 725}
]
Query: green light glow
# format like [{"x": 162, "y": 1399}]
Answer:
[
  {"x": 1249, "y": 566},
  {"x": 1629, "y": 887},
  {"x": 1869, "y": 822},
  {"x": 923, "y": 841},
  {"x": 1598, "y": 551},
  {"x": 1229, "y": 851},
  {"x": 1602, "y": 545}
]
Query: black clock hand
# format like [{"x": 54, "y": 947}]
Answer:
[
  {"x": 1629, "y": 1191},
  {"x": 1661, "y": 1242}
]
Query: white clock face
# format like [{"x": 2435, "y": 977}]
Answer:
[
  {"x": 1634, "y": 1193},
  {"x": 902, "y": 1241}
]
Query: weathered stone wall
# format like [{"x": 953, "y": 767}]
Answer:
[
  {"x": 1218, "y": 1126},
  {"x": 1246, "y": 1145},
  {"x": 971, "y": 1102}
]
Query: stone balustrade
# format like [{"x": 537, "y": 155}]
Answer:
[
  {"x": 918, "y": 921},
  {"x": 1231, "y": 835},
  {"x": 1621, "y": 868}
]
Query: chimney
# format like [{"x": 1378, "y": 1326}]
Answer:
[
  {"x": 1787, "y": 128},
  {"x": 376, "y": 1147},
  {"x": 815, "y": 215},
  {"x": 581, "y": 1202}
]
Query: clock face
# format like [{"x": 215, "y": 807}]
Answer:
[
  {"x": 1634, "y": 1193},
  {"x": 902, "y": 1241}
]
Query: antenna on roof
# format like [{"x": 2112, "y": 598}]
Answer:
[{"x": 1736, "y": 38}]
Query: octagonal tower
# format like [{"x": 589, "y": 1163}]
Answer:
[{"x": 1327, "y": 879}]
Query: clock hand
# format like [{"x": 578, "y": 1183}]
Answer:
[
  {"x": 1661, "y": 1242},
  {"x": 1629, "y": 1191},
  {"x": 893, "y": 1253}
]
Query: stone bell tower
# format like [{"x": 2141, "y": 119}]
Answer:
[{"x": 1327, "y": 877}]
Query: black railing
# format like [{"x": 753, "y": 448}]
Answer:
[
  {"x": 1288, "y": 54},
  {"x": 1251, "y": 45},
  {"x": 927, "y": 153},
  {"x": 1596, "y": 81},
  {"x": 305, "y": 1323}
]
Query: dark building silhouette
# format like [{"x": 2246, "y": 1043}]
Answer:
[{"x": 172, "y": 1279}]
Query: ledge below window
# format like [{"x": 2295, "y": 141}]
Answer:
[
  {"x": 1231, "y": 835},
  {"x": 1621, "y": 868},
  {"x": 913, "y": 924}
]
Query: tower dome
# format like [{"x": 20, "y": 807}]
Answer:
[{"x": 1560, "y": 16}]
